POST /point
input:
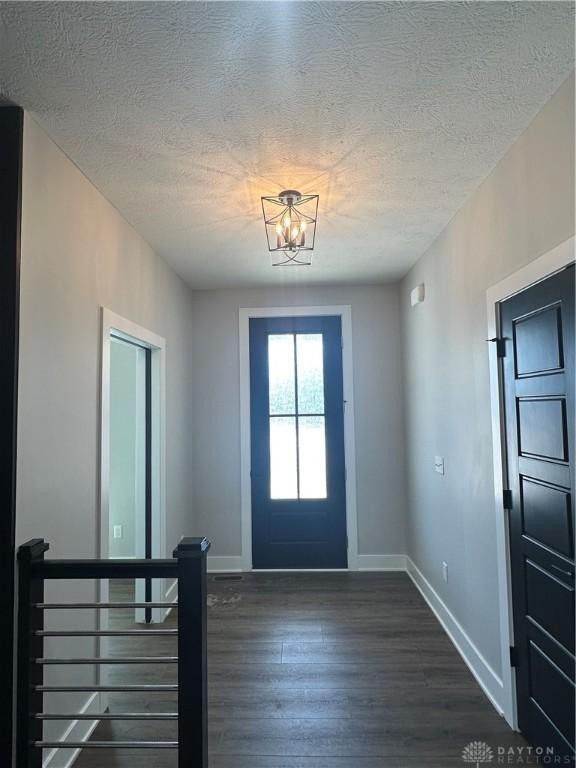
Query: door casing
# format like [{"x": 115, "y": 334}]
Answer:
[
  {"x": 345, "y": 312},
  {"x": 541, "y": 268}
]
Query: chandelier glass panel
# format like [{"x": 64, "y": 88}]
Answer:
[{"x": 290, "y": 220}]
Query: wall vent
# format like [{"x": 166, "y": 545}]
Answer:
[{"x": 228, "y": 577}]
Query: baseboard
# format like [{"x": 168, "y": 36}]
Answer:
[
  {"x": 78, "y": 730},
  {"x": 235, "y": 563},
  {"x": 485, "y": 676},
  {"x": 170, "y": 596},
  {"x": 225, "y": 563},
  {"x": 381, "y": 562}
]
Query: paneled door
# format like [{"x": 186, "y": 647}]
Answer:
[
  {"x": 538, "y": 328},
  {"x": 297, "y": 443}
]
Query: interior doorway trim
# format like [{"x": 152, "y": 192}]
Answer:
[
  {"x": 345, "y": 312},
  {"x": 534, "y": 272},
  {"x": 120, "y": 327}
]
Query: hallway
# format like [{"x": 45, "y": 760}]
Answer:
[{"x": 323, "y": 670}]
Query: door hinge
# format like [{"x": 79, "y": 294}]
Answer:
[
  {"x": 513, "y": 656},
  {"x": 507, "y": 499},
  {"x": 500, "y": 346}
]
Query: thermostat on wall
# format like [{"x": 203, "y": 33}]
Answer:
[{"x": 417, "y": 295}]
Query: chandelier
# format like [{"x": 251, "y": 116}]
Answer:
[{"x": 290, "y": 220}]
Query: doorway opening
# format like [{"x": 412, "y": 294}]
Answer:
[
  {"x": 130, "y": 503},
  {"x": 538, "y": 376},
  {"x": 530, "y": 313},
  {"x": 297, "y": 443},
  {"x": 298, "y": 468},
  {"x": 132, "y": 506}
]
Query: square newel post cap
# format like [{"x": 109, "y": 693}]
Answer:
[
  {"x": 192, "y": 546},
  {"x": 32, "y": 549}
]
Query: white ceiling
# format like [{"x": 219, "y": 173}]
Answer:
[{"x": 184, "y": 114}]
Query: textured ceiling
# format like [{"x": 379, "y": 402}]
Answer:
[{"x": 184, "y": 114}]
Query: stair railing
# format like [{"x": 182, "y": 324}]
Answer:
[{"x": 188, "y": 566}]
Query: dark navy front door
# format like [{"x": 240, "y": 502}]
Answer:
[{"x": 297, "y": 443}]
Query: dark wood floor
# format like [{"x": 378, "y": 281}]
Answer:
[{"x": 327, "y": 670}]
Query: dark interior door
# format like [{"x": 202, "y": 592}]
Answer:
[
  {"x": 297, "y": 443},
  {"x": 538, "y": 326}
]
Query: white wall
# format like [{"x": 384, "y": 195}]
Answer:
[
  {"x": 78, "y": 254},
  {"x": 524, "y": 208},
  {"x": 378, "y": 409}
]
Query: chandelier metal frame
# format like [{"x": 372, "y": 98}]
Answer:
[{"x": 301, "y": 211}]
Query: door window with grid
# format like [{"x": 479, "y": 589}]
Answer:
[{"x": 296, "y": 416}]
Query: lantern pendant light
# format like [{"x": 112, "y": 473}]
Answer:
[{"x": 290, "y": 221}]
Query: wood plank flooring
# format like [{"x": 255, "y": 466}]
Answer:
[{"x": 325, "y": 670}]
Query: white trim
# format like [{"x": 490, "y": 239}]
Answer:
[
  {"x": 235, "y": 564},
  {"x": 226, "y": 564},
  {"x": 170, "y": 596},
  {"x": 539, "y": 269},
  {"x": 170, "y": 590},
  {"x": 382, "y": 562},
  {"x": 113, "y": 324},
  {"x": 302, "y": 570},
  {"x": 78, "y": 730},
  {"x": 345, "y": 312},
  {"x": 485, "y": 676},
  {"x": 553, "y": 261}
]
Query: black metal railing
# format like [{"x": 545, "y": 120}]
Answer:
[{"x": 189, "y": 568}]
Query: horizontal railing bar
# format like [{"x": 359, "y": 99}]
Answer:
[
  {"x": 109, "y": 716},
  {"x": 105, "y": 632},
  {"x": 106, "y": 744},
  {"x": 104, "y": 569},
  {"x": 151, "y": 688},
  {"x": 115, "y": 660},
  {"x": 99, "y": 606}
]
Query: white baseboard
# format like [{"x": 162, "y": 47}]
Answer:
[
  {"x": 78, "y": 730},
  {"x": 235, "y": 564},
  {"x": 485, "y": 676},
  {"x": 170, "y": 596},
  {"x": 381, "y": 562},
  {"x": 225, "y": 563}
]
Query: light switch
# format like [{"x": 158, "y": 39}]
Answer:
[
  {"x": 117, "y": 531},
  {"x": 439, "y": 464}
]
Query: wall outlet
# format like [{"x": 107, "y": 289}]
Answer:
[
  {"x": 117, "y": 531},
  {"x": 445, "y": 572},
  {"x": 439, "y": 464}
]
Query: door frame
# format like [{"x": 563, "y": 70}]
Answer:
[
  {"x": 535, "y": 272},
  {"x": 113, "y": 324},
  {"x": 345, "y": 313}
]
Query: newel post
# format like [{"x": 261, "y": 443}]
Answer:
[
  {"x": 192, "y": 653},
  {"x": 30, "y": 647}
]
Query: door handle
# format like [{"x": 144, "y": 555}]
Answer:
[{"x": 570, "y": 574}]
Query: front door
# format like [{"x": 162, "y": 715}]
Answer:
[
  {"x": 538, "y": 328},
  {"x": 297, "y": 443}
]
